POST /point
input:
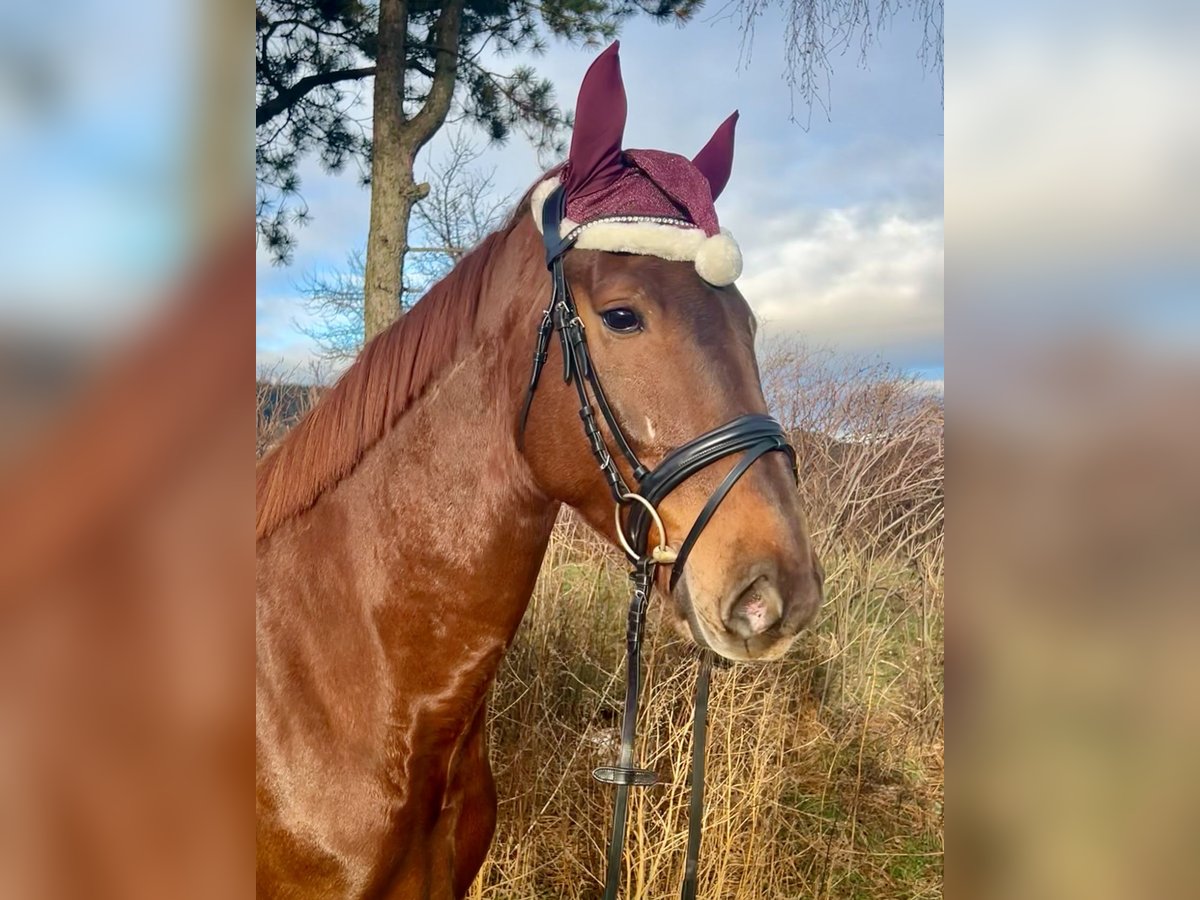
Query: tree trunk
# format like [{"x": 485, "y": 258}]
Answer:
[
  {"x": 391, "y": 175},
  {"x": 395, "y": 143}
]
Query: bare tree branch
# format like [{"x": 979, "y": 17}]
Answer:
[
  {"x": 462, "y": 207},
  {"x": 288, "y": 97}
]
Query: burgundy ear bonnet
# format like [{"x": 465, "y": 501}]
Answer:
[{"x": 641, "y": 201}]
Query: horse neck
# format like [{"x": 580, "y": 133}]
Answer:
[
  {"x": 433, "y": 543},
  {"x": 452, "y": 513}
]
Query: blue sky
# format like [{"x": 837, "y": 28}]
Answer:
[{"x": 841, "y": 224}]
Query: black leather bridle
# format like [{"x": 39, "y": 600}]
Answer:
[{"x": 752, "y": 435}]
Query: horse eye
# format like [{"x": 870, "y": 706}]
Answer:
[{"x": 621, "y": 320}]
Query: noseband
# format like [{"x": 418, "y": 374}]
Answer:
[{"x": 752, "y": 435}]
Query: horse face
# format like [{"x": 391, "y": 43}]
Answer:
[{"x": 675, "y": 357}]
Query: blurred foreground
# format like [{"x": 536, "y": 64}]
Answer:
[
  {"x": 126, "y": 489},
  {"x": 126, "y": 565},
  {"x": 1074, "y": 361}
]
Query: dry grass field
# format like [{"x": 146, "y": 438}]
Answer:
[{"x": 825, "y": 775}]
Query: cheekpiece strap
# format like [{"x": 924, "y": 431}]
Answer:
[{"x": 553, "y": 211}]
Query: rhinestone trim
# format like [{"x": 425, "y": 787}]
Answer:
[{"x": 656, "y": 220}]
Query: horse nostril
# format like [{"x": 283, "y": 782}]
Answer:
[{"x": 757, "y": 609}]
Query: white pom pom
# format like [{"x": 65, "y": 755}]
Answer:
[{"x": 719, "y": 261}]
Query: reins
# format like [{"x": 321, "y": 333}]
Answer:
[{"x": 752, "y": 435}]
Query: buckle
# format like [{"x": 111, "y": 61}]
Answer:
[{"x": 625, "y": 775}]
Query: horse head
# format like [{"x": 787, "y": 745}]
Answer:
[{"x": 647, "y": 288}]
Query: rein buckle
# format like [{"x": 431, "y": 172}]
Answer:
[{"x": 626, "y": 775}]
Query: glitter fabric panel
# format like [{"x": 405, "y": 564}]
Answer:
[{"x": 653, "y": 183}]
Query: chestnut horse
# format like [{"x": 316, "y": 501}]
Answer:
[{"x": 401, "y": 526}]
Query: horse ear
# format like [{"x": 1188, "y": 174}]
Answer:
[
  {"x": 595, "y": 160},
  {"x": 715, "y": 161}
]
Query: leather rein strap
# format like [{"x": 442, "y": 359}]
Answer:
[{"x": 751, "y": 435}]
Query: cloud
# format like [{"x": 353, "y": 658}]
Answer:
[
  {"x": 1075, "y": 196},
  {"x": 858, "y": 279},
  {"x": 1081, "y": 151}
]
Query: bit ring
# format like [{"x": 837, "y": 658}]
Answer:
[{"x": 660, "y": 554}]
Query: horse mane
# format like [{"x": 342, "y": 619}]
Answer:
[{"x": 389, "y": 375}]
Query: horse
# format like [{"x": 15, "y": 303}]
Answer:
[{"x": 401, "y": 525}]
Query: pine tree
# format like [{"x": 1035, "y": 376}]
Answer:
[{"x": 429, "y": 61}]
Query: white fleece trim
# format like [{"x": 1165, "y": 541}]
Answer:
[
  {"x": 649, "y": 238},
  {"x": 538, "y": 199},
  {"x": 721, "y": 261}
]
